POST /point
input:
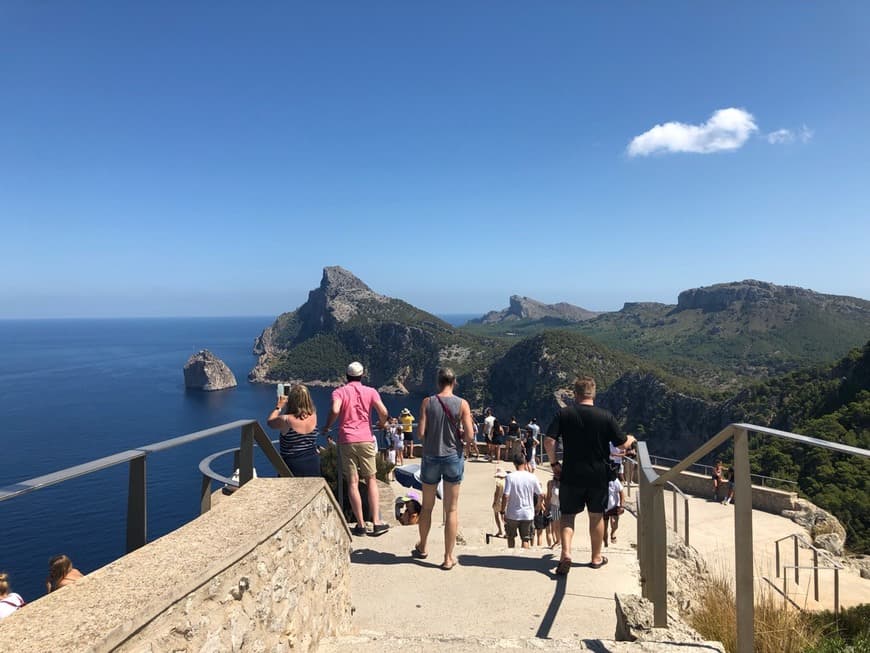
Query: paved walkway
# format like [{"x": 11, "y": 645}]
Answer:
[
  {"x": 712, "y": 534},
  {"x": 493, "y": 591},
  {"x": 498, "y": 592}
]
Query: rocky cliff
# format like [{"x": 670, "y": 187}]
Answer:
[
  {"x": 400, "y": 345},
  {"x": 525, "y": 308},
  {"x": 205, "y": 371}
]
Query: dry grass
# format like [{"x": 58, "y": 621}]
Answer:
[{"x": 779, "y": 628}]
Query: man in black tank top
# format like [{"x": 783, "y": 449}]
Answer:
[{"x": 586, "y": 432}]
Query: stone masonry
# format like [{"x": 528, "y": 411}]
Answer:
[{"x": 265, "y": 570}]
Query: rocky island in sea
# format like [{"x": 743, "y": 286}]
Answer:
[{"x": 205, "y": 371}]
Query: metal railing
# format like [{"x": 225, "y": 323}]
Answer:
[
  {"x": 834, "y": 565},
  {"x": 674, "y": 493},
  {"x": 137, "y": 498},
  {"x": 707, "y": 470},
  {"x": 651, "y": 525}
]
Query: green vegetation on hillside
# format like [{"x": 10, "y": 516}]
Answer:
[
  {"x": 726, "y": 344},
  {"x": 832, "y": 404}
]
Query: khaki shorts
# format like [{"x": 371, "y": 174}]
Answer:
[{"x": 359, "y": 459}]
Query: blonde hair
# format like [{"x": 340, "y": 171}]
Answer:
[
  {"x": 4, "y": 583},
  {"x": 299, "y": 402},
  {"x": 58, "y": 567},
  {"x": 584, "y": 388}
]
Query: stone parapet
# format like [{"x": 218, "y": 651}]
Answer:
[
  {"x": 266, "y": 570},
  {"x": 763, "y": 498}
]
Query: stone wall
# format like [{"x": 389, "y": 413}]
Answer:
[
  {"x": 266, "y": 570},
  {"x": 763, "y": 498}
]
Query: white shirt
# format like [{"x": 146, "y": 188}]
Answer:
[
  {"x": 488, "y": 424},
  {"x": 613, "y": 490},
  {"x": 12, "y": 598},
  {"x": 520, "y": 489},
  {"x": 535, "y": 429},
  {"x": 614, "y": 454}
]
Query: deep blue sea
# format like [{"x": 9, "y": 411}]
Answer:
[{"x": 75, "y": 390}]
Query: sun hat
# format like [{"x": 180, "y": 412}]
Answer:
[
  {"x": 355, "y": 369},
  {"x": 405, "y": 411}
]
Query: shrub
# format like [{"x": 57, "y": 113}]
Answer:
[{"x": 779, "y": 628}]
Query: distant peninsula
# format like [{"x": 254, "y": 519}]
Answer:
[{"x": 525, "y": 308}]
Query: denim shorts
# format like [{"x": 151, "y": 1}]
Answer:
[{"x": 434, "y": 468}]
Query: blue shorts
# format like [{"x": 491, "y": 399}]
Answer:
[{"x": 434, "y": 468}]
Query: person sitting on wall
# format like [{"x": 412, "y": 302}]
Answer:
[
  {"x": 61, "y": 573},
  {"x": 9, "y": 601}
]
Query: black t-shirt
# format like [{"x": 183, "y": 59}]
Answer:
[{"x": 585, "y": 432}]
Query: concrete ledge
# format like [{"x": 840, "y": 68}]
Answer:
[
  {"x": 763, "y": 498},
  {"x": 248, "y": 573}
]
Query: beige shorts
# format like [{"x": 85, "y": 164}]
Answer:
[{"x": 359, "y": 459}]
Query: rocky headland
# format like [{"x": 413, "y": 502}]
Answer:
[
  {"x": 400, "y": 345},
  {"x": 205, "y": 371},
  {"x": 525, "y": 308},
  {"x": 673, "y": 374}
]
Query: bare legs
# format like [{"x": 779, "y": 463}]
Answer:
[
  {"x": 356, "y": 499},
  {"x": 424, "y": 524},
  {"x": 451, "y": 519},
  {"x": 596, "y": 535},
  {"x": 567, "y": 535}
]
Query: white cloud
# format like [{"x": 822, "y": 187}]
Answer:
[
  {"x": 806, "y": 134},
  {"x": 727, "y": 129},
  {"x": 787, "y": 136},
  {"x": 780, "y": 137}
]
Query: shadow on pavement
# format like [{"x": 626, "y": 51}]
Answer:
[
  {"x": 544, "y": 564},
  {"x": 553, "y": 608},
  {"x": 372, "y": 557}
]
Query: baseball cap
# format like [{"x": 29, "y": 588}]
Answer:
[{"x": 355, "y": 369}]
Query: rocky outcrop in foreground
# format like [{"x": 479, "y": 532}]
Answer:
[{"x": 205, "y": 371}]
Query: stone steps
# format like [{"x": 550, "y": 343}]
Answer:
[{"x": 376, "y": 642}]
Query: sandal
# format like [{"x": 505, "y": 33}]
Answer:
[
  {"x": 564, "y": 567},
  {"x": 445, "y": 567},
  {"x": 418, "y": 554},
  {"x": 598, "y": 565}
]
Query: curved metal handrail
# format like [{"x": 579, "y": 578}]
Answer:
[
  {"x": 652, "y": 543},
  {"x": 206, "y": 470}
]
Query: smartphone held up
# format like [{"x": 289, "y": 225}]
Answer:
[{"x": 283, "y": 389}]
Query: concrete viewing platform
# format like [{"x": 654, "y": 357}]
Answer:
[
  {"x": 493, "y": 592},
  {"x": 511, "y": 598}
]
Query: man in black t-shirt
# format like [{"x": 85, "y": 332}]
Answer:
[{"x": 585, "y": 432}]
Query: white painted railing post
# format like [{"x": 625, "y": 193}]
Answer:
[{"x": 745, "y": 590}]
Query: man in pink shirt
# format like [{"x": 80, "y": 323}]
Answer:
[{"x": 352, "y": 404}]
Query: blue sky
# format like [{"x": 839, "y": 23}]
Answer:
[{"x": 202, "y": 158}]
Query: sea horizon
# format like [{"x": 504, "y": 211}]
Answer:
[{"x": 74, "y": 390}]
